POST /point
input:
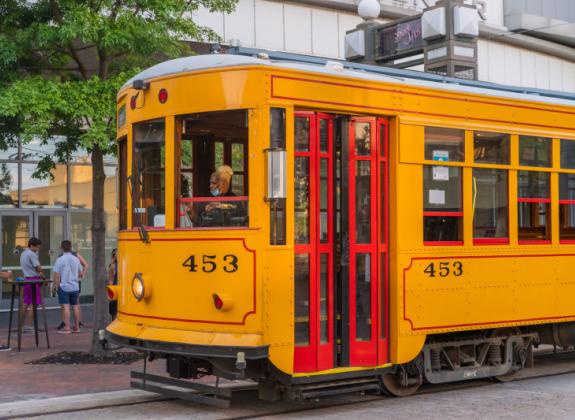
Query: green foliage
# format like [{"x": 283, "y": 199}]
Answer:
[{"x": 62, "y": 62}]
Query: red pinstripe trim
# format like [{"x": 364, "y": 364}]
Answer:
[
  {"x": 443, "y": 213},
  {"x": 442, "y": 243},
  {"x": 217, "y": 199},
  {"x": 407, "y": 111},
  {"x": 405, "y": 318},
  {"x": 533, "y": 200}
]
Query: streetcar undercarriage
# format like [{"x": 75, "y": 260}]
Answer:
[{"x": 498, "y": 353}]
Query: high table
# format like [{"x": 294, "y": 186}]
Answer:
[{"x": 18, "y": 285}]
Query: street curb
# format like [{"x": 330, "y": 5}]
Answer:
[{"x": 24, "y": 408}]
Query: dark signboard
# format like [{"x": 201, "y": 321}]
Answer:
[{"x": 399, "y": 39}]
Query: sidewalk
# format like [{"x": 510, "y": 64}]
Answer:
[{"x": 21, "y": 381}]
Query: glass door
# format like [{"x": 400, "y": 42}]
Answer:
[
  {"x": 16, "y": 230},
  {"x": 50, "y": 228}
]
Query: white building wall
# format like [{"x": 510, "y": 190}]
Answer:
[{"x": 303, "y": 29}]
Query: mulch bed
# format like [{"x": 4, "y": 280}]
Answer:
[{"x": 83, "y": 358}]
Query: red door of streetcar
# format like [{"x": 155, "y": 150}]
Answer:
[
  {"x": 367, "y": 231},
  {"x": 357, "y": 319}
]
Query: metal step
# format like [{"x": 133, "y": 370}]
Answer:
[
  {"x": 304, "y": 392},
  {"x": 218, "y": 396}
]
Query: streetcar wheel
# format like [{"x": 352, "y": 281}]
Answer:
[{"x": 393, "y": 388}]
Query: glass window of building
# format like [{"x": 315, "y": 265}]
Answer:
[
  {"x": 148, "y": 168},
  {"x": 8, "y": 185},
  {"x": 491, "y": 148},
  {"x": 444, "y": 144},
  {"x": 212, "y": 169},
  {"x": 535, "y": 151},
  {"x": 567, "y": 207},
  {"x": 490, "y": 203},
  {"x": 443, "y": 212},
  {"x": 533, "y": 206},
  {"x": 51, "y": 191}
]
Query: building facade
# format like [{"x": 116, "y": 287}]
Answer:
[
  {"x": 527, "y": 43},
  {"x": 52, "y": 209}
]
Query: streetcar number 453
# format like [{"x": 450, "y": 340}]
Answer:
[
  {"x": 444, "y": 269},
  {"x": 210, "y": 263}
]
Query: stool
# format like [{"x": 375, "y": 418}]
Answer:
[{"x": 19, "y": 284}]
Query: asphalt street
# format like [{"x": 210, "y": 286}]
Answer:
[{"x": 536, "y": 398}]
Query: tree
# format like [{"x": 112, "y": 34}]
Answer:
[{"x": 61, "y": 64}]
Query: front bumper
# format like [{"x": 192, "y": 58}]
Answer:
[{"x": 191, "y": 350}]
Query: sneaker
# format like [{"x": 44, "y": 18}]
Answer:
[
  {"x": 4, "y": 348},
  {"x": 62, "y": 325},
  {"x": 63, "y": 331},
  {"x": 81, "y": 324},
  {"x": 76, "y": 330}
]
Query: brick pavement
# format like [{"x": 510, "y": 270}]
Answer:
[{"x": 21, "y": 381}]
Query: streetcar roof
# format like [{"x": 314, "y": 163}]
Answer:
[{"x": 406, "y": 77}]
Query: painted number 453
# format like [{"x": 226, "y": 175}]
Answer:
[{"x": 444, "y": 269}]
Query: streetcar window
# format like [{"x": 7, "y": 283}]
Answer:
[
  {"x": 568, "y": 154},
  {"x": 444, "y": 144},
  {"x": 278, "y": 206},
  {"x": 490, "y": 216},
  {"x": 491, "y": 148},
  {"x": 535, "y": 151},
  {"x": 149, "y": 174},
  {"x": 567, "y": 207},
  {"x": 212, "y": 169},
  {"x": 302, "y": 299},
  {"x": 533, "y": 205},
  {"x": 443, "y": 212}
]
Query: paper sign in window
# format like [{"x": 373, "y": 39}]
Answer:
[
  {"x": 437, "y": 197},
  {"x": 440, "y": 173},
  {"x": 441, "y": 155}
]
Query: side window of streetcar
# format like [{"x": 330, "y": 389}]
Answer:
[
  {"x": 148, "y": 169},
  {"x": 444, "y": 144},
  {"x": 567, "y": 193},
  {"x": 443, "y": 212},
  {"x": 212, "y": 169},
  {"x": 490, "y": 204}
]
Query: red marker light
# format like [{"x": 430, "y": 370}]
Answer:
[
  {"x": 163, "y": 96},
  {"x": 218, "y": 302},
  {"x": 133, "y": 100}
]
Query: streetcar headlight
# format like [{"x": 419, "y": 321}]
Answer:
[{"x": 141, "y": 289}]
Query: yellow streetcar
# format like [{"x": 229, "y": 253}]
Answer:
[{"x": 327, "y": 227}]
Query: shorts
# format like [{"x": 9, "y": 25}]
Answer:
[
  {"x": 68, "y": 298},
  {"x": 28, "y": 294}
]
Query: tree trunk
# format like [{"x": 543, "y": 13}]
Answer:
[{"x": 101, "y": 316}]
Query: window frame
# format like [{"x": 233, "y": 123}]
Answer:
[
  {"x": 457, "y": 214},
  {"x": 535, "y": 200},
  {"x": 134, "y": 174},
  {"x": 196, "y": 156}
]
